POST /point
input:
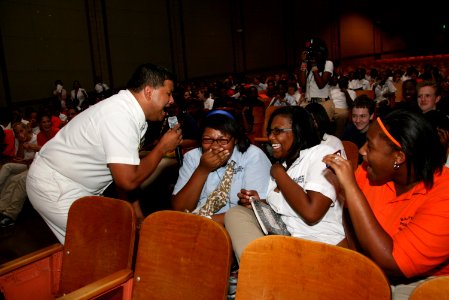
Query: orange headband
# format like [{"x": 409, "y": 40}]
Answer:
[{"x": 382, "y": 126}]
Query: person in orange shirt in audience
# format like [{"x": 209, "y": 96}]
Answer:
[
  {"x": 398, "y": 200},
  {"x": 9, "y": 149},
  {"x": 47, "y": 131}
]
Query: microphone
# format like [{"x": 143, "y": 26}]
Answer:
[{"x": 172, "y": 121}]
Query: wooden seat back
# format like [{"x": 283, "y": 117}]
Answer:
[
  {"x": 181, "y": 256},
  {"x": 99, "y": 240},
  {"x": 352, "y": 153},
  {"x": 433, "y": 289},
  {"x": 284, "y": 267},
  {"x": 369, "y": 93}
]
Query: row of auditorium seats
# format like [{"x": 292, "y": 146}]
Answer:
[{"x": 184, "y": 256}]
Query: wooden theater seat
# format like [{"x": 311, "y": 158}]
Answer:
[
  {"x": 284, "y": 267},
  {"x": 369, "y": 93},
  {"x": 180, "y": 256},
  {"x": 352, "y": 153},
  {"x": 262, "y": 139},
  {"x": 433, "y": 289},
  {"x": 99, "y": 241}
]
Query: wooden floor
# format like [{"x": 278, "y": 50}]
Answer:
[{"x": 29, "y": 234}]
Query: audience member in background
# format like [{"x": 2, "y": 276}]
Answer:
[
  {"x": 26, "y": 143},
  {"x": 61, "y": 94},
  {"x": 362, "y": 114},
  {"x": 271, "y": 88},
  {"x": 411, "y": 73},
  {"x": 202, "y": 94},
  {"x": 259, "y": 84},
  {"x": 9, "y": 150},
  {"x": 12, "y": 192},
  {"x": 372, "y": 76},
  {"x": 298, "y": 189},
  {"x": 428, "y": 95},
  {"x": 204, "y": 169},
  {"x": 101, "y": 145},
  {"x": 294, "y": 94},
  {"x": 359, "y": 82},
  {"x": 430, "y": 73},
  {"x": 15, "y": 117},
  {"x": 385, "y": 92},
  {"x": 102, "y": 90},
  {"x": 13, "y": 175},
  {"x": 440, "y": 123},
  {"x": 343, "y": 99},
  {"x": 31, "y": 115},
  {"x": 71, "y": 113},
  {"x": 409, "y": 96},
  {"x": 397, "y": 82},
  {"x": 224, "y": 99},
  {"x": 315, "y": 73},
  {"x": 248, "y": 103},
  {"x": 58, "y": 119},
  {"x": 366, "y": 84},
  {"x": 79, "y": 96},
  {"x": 398, "y": 200},
  {"x": 209, "y": 102},
  {"x": 2, "y": 143},
  {"x": 280, "y": 96},
  {"x": 47, "y": 131},
  {"x": 323, "y": 126}
]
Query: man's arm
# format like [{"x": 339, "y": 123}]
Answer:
[{"x": 129, "y": 177}]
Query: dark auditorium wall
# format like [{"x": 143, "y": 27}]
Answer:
[{"x": 45, "y": 40}]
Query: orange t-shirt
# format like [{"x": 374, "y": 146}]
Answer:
[
  {"x": 42, "y": 138},
  {"x": 55, "y": 122},
  {"x": 10, "y": 142},
  {"x": 418, "y": 222}
]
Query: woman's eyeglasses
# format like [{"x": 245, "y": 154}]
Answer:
[
  {"x": 222, "y": 142},
  {"x": 277, "y": 131}
]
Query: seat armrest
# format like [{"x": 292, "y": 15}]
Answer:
[
  {"x": 30, "y": 258},
  {"x": 95, "y": 289}
]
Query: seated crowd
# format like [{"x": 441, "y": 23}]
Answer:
[{"x": 397, "y": 199}]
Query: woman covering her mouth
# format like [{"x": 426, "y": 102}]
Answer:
[{"x": 299, "y": 189}]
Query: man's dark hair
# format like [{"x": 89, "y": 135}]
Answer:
[
  {"x": 364, "y": 101},
  {"x": 149, "y": 74}
]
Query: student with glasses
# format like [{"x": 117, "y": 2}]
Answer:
[
  {"x": 299, "y": 189},
  {"x": 222, "y": 141}
]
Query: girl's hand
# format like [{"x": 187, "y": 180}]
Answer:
[
  {"x": 214, "y": 158},
  {"x": 276, "y": 168},
  {"x": 246, "y": 196},
  {"x": 342, "y": 168}
]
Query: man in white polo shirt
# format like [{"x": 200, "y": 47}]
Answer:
[{"x": 101, "y": 145}]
